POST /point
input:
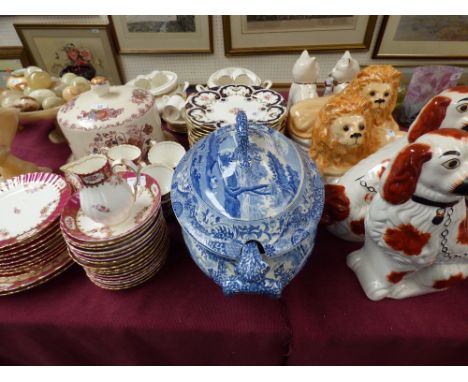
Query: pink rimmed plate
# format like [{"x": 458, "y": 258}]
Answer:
[
  {"x": 18, "y": 283},
  {"x": 29, "y": 203},
  {"x": 78, "y": 226}
]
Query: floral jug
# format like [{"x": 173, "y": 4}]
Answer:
[{"x": 105, "y": 196}]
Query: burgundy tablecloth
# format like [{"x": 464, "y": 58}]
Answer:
[
  {"x": 181, "y": 317},
  {"x": 333, "y": 323}
]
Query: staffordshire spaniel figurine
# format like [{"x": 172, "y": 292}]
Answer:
[{"x": 416, "y": 225}]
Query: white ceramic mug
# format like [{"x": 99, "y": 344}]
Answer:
[{"x": 174, "y": 108}]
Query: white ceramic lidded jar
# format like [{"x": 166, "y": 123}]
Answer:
[{"x": 107, "y": 116}]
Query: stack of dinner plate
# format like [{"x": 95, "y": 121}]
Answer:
[
  {"x": 218, "y": 106},
  {"x": 32, "y": 249},
  {"x": 124, "y": 255}
]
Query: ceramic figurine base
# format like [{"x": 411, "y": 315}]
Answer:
[{"x": 303, "y": 114}]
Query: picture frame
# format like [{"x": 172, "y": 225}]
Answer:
[
  {"x": 54, "y": 47},
  {"x": 250, "y": 35},
  {"x": 163, "y": 34},
  {"x": 13, "y": 53},
  {"x": 428, "y": 37}
]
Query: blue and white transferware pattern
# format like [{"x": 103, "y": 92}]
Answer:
[{"x": 249, "y": 203}]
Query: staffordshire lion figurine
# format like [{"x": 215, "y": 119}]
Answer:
[
  {"x": 342, "y": 135},
  {"x": 378, "y": 83}
]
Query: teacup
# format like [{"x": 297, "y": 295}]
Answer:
[
  {"x": 163, "y": 175},
  {"x": 167, "y": 153},
  {"x": 174, "y": 107},
  {"x": 125, "y": 151}
]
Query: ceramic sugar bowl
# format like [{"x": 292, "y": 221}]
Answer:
[
  {"x": 249, "y": 202},
  {"x": 108, "y": 116}
]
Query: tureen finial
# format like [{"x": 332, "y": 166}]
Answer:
[
  {"x": 242, "y": 128},
  {"x": 100, "y": 85}
]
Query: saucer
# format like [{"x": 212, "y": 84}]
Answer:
[{"x": 78, "y": 226}]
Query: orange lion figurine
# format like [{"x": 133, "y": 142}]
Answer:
[
  {"x": 342, "y": 134},
  {"x": 378, "y": 83}
]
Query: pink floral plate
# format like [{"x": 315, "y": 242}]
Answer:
[
  {"x": 133, "y": 244},
  {"x": 30, "y": 203},
  {"x": 78, "y": 226},
  {"x": 18, "y": 283}
]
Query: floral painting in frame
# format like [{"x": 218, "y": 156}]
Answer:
[
  {"x": 424, "y": 37},
  {"x": 86, "y": 50}
]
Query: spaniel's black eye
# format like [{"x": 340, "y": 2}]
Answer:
[
  {"x": 386, "y": 94},
  {"x": 361, "y": 126},
  {"x": 372, "y": 93},
  {"x": 346, "y": 128},
  {"x": 452, "y": 164},
  {"x": 462, "y": 108}
]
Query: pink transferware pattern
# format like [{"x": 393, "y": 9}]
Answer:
[
  {"x": 29, "y": 204},
  {"x": 78, "y": 226}
]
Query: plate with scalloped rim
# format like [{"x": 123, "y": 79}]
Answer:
[{"x": 30, "y": 203}]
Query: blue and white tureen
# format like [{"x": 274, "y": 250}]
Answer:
[{"x": 249, "y": 202}]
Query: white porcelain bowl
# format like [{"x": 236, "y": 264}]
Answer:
[
  {"x": 158, "y": 82},
  {"x": 236, "y": 75}
]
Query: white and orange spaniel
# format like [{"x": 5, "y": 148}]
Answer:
[
  {"x": 416, "y": 229},
  {"x": 348, "y": 198}
]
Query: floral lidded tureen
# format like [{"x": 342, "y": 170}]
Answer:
[
  {"x": 249, "y": 202},
  {"x": 108, "y": 116}
]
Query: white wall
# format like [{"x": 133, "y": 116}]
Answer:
[{"x": 196, "y": 68}]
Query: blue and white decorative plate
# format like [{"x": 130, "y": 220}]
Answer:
[
  {"x": 218, "y": 106},
  {"x": 247, "y": 194}
]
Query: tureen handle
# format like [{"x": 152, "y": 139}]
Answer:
[
  {"x": 251, "y": 267},
  {"x": 242, "y": 133}
]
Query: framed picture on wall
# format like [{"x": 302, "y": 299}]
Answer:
[
  {"x": 86, "y": 50},
  {"x": 163, "y": 34},
  {"x": 425, "y": 37},
  {"x": 257, "y": 34},
  {"x": 13, "y": 54}
]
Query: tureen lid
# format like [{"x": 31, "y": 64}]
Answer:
[
  {"x": 105, "y": 106},
  {"x": 244, "y": 183}
]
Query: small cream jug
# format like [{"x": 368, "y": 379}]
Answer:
[{"x": 104, "y": 196}]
